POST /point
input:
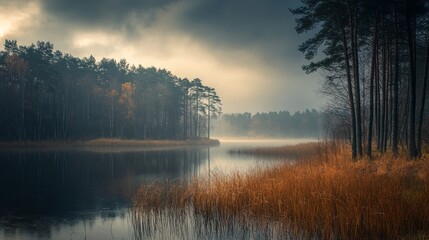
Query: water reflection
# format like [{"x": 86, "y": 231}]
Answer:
[
  {"x": 46, "y": 190},
  {"x": 188, "y": 224},
  {"x": 87, "y": 194}
]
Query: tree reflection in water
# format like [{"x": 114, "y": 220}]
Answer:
[{"x": 46, "y": 190}]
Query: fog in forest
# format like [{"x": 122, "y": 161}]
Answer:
[
  {"x": 214, "y": 119},
  {"x": 247, "y": 52}
]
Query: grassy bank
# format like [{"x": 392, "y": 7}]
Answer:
[
  {"x": 109, "y": 142},
  {"x": 327, "y": 196}
]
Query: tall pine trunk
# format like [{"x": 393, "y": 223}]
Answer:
[
  {"x": 371, "y": 88},
  {"x": 411, "y": 32},
  {"x": 383, "y": 95},
  {"x": 349, "y": 88},
  {"x": 395, "y": 123},
  {"x": 422, "y": 103},
  {"x": 355, "y": 60},
  {"x": 208, "y": 120}
]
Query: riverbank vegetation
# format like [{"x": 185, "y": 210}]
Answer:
[
  {"x": 47, "y": 95},
  {"x": 324, "y": 195}
]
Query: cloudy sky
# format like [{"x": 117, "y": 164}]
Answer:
[{"x": 245, "y": 49}]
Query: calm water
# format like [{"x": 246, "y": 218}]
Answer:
[{"x": 87, "y": 194}]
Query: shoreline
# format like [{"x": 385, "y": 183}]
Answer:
[
  {"x": 325, "y": 195},
  {"x": 296, "y": 151},
  {"x": 107, "y": 143}
]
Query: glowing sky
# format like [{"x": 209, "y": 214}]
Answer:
[{"x": 245, "y": 49}]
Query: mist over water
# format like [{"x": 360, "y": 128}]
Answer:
[{"x": 74, "y": 194}]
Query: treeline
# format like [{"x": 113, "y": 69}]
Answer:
[
  {"x": 376, "y": 65},
  {"x": 49, "y": 95},
  {"x": 271, "y": 124}
]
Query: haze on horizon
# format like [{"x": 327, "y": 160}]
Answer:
[{"x": 246, "y": 50}]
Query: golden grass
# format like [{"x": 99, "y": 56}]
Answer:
[{"x": 328, "y": 197}]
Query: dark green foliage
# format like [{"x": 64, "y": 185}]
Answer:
[{"x": 47, "y": 95}]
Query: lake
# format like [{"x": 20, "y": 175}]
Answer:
[{"x": 87, "y": 193}]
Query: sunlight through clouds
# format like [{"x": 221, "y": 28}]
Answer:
[
  {"x": 252, "y": 69},
  {"x": 85, "y": 40},
  {"x": 16, "y": 18}
]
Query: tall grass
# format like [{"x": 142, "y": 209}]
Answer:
[{"x": 326, "y": 197}]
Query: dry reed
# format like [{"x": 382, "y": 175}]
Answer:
[{"x": 328, "y": 197}]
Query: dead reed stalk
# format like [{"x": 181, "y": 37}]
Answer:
[{"x": 327, "y": 197}]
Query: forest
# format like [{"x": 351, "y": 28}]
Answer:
[
  {"x": 374, "y": 59},
  {"x": 271, "y": 124},
  {"x": 49, "y": 95}
]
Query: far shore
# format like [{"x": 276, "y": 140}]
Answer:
[{"x": 108, "y": 143}]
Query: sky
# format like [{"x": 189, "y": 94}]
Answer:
[{"x": 246, "y": 49}]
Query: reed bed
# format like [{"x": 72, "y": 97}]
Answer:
[{"x": 326, "y": 197}]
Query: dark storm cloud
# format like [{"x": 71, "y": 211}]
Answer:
[
  {"x": 240, "y": 46},
  {"x": 266, "y": 24},
  {"x": 234, "y": 23},
  {"x": 265, "y": 27},
  {"x": 104, "y": 13},
  {"x": 245, "y": 20}
]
